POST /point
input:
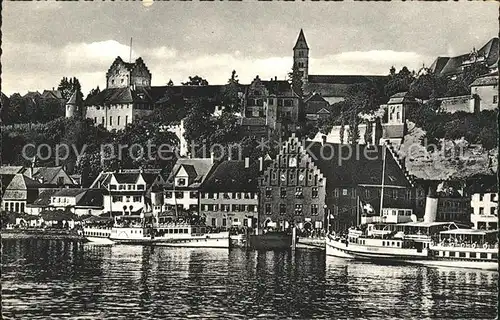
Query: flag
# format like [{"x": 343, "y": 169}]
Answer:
[{"x": 366, "y": 208}]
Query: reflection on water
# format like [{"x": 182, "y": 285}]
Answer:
[{"x": 62, "y": 279}]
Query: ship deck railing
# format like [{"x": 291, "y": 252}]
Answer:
[{"x": 486, "y": 246}]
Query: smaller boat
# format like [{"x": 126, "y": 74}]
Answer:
[{"x": 129, "y": 229}]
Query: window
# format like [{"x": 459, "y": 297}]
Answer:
[
  {"x": 179, "y": 194},
  {"x": 118, "y": 121},
  {"x": 268, "y": 192},
  {"x": 117, "y": 198},
  {"x": 495, "y": 99},
  {"x": 493, "y": 197},
  {"x": 181, "y": 181},
  {"x": 126, "y": 119},
  {"x": 110, "y": 120},
  {"x": 481, "y": 210},
  {"x": 493, "y": 211},
  {"x": 137, "y": 198},
  {"x": 314, "y": 192},
  {"x": 268, "y": 208},
  {"x": 193, "y": 195},
  {"x": 483, "y": 255},
  {"x": 95, "y": 119},
  {"x": 395, "y": 194},
  {"x": 270, "y": 101},
  {"x": 283, "y": 192},
  {"x": 298, "y": 209},
  {"x": 168, "y": 195},
  {"x": 214, "y": 221},
  {"x": 251, "y": 208},
  {"x": 336, "y": 192},
  {"x": 224, "y": 222},
  {"x": 452, "y": 253},
  {"x": 314, "y": 209},
  {"x": 344, "y": 192},
  {"x": 102, "y": 120},
  {"x": 288, "y": 102},
  {"x": 236, "y": 208},
  {"x": 140, "y": 187},
  {"x": 282, "y": 208},
  {"x": 298, "y": 192},
  {"x": 408, "y": 194},
  {"x": 481, "y": 197},
  {"x": 472, "y": 255}
]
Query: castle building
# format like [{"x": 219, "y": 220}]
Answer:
[{"x": 127, "y": 95}]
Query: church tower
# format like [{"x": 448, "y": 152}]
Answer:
[{"x": 301, "y": 56}]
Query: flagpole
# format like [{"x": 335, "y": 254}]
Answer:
[
  {"x": 357, "y": 211},
  {"x": 383, "y": 180}
]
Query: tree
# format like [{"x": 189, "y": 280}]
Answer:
[
  {"x": 399, "y": 82},
  {"x": 196, "y": 81},
  {"x": 429, "y": 85},
  {"x": 68, "y": 86},
  {"x": 170, "y": 83},
  {"x": 230, "y": 97}
]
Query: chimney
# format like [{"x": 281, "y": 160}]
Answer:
[
  {"x": 323, "y": 140},
  {"x": 275, "y": 78},
  {"x": 212, "y": 157},
  {"x": 247, "y": 162},
  {"x": 261, "y": 164}
]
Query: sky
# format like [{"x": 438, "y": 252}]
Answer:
[{"x": 45, "y": 41}]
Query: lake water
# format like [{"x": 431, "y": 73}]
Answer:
[{"x": 48, "y": 279}]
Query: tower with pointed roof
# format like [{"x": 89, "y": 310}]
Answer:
[
  {"x": 301, "y": 56},
  {"x": 74, "y": 106}
]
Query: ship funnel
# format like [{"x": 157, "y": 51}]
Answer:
[{"x": 431, "y": 205}]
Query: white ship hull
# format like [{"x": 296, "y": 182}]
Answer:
[
  {"x": 209, "y": 241},
  {"x": 99, "y": 240},
  {"x": 364, "y": 252},
  {"x": 456, "y": 263}
]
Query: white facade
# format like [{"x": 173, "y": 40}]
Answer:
[
  {"x": 484, "y": 207},
  {"x": 126, "y": 197},
  {"x": 179, "y": 131}
]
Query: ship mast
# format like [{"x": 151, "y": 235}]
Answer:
[{"x": 383, "y": 180}]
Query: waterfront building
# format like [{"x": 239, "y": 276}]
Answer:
[
  {"x": 229, "y": 196},
  {"x": 21, "y": 191},
  {"x": 128, "y": 192},
  {"x": 484, "y": 202},
  {"x": 181, "y": 192},
  {"x": 309, "y": 182}
]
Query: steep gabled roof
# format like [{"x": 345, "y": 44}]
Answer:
[
  {"x": 232, "y": 176},
  {"x": 45, "y": 196},
  {"x": 120, "y": 95},
  {"x": 349, "y": 165},
  {"x": 73, "y": 192},
  {"x": 301, "y": 41},
  {"x": 22, "y": 182},
  {"x": 91, "y": 198},
  {"x": 128, "y": 177},
  {"x": 485, "y": 81},
  {"x": 201, "y": 166},
  {"x": 46, "y": 174},
  {"x": 76, "y": 98},
  {"x": 11, "y": 170}
]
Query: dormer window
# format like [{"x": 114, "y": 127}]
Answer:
[
  {"x": 181, "y": 182},
  {"x": 112, "y": 187}
]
